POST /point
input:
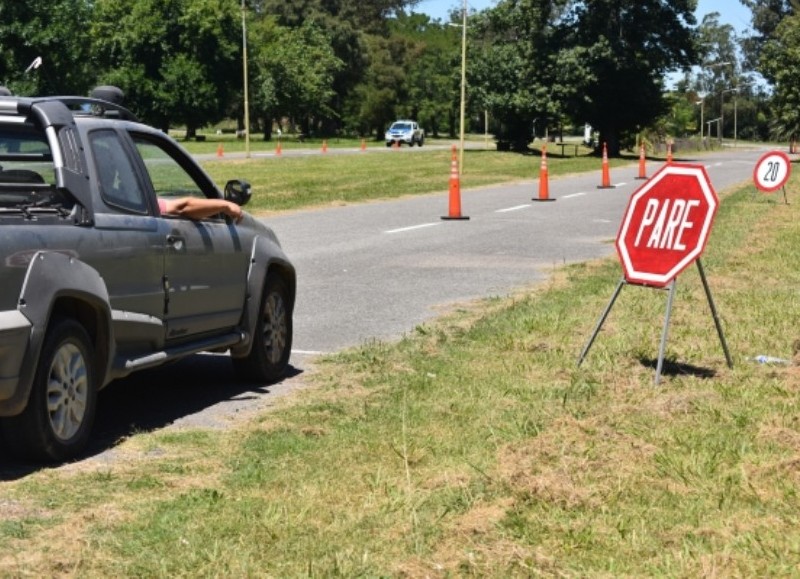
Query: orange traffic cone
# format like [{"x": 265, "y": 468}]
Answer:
[
  {"x": 395, "y": 144},
  {"x": 606, "y": 184},
  {"x": 544, "y": 188},
  {"x": 642, "y": 172},
  {"x": 220, "y": 152},
  {"x": 669, "y": 153},
  {"x": 278, "y": 149},
  {"x": 363, "y": 145},
  {"x": 455, "y": 190},
  {"x": 324, "y": 145}
]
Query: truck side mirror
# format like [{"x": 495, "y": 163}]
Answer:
[{"x": 237, "y": 191}]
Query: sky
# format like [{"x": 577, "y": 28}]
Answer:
[{"x": 731, "y": 11}]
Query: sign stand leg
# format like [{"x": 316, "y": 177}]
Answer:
[
  {"x": 663, "y": 346},
  {"x": 785, "y": 199},
  {"x": 714, "y": 314},
  {"x": 601, "y": 321}
]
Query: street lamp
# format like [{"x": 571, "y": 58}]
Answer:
[{"x": 244, "y": 67}]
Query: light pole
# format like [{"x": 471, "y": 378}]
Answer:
[
  {"x": 722, "y": 115},
  {"x": 710, "y": 65},
  {"x": 701, "y": 102},
  {"x": 244, "y": 67},
  {"x": 463, "y": 83},
  {"x": 735, "y": 101},
  {"x": 709, "y": 123}
]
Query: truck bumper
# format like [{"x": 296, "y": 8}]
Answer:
[{"x": 15, "y": 331}]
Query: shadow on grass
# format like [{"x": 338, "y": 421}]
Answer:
[{"x": 675, "y": 368}]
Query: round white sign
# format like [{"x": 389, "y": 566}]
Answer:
[{"x": 772, "y": 171}]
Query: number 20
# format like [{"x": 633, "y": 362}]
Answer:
[{"x": 771, "y": 174}]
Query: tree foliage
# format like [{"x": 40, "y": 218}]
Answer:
[
  {"x": 778, "y": 61},
  {"x": 596, "y": 61},
  {"x": 294, "y": 72},
  {"x": 55, "y": 31},
  {"x": 176, "y": 60},
  {"x": 631, "y": 45},
  {"x": 348, "y": 65}
]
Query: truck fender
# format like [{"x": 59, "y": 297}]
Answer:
[
  {"x": 59, "y": 283},
  {"x": 260, "y": 267}
]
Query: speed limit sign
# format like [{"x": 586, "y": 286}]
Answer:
[{"x": 772, "y": 171}]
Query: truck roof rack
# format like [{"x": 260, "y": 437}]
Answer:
[{"x": 103, "y": 101}]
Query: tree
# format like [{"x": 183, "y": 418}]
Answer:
[
  {"x": 629, "y": 47},
  {"x": 178, "y": 61},
  {"x": 432, "y": 71},
  {"x": 375, "y": 100},
  {"x": 294, "y": 71},
  {"x": 779, "y": 65},
  {"x": 347, "y": 24},
  {"x": 515, "y": 69},
  {"x": 55, "y": 31}
]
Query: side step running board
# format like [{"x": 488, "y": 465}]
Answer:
[{"x": 124, "y": 366}]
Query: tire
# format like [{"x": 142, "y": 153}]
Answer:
[
  {"x": 421, "y": 141},
  {"x": 268, "y": 359},
  {"x": 57, "y": 421}
]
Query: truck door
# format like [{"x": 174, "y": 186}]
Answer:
[{"x": 205, "y": 265}]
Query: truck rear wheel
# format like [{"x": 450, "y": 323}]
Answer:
[{"x": 56, "y": 424}]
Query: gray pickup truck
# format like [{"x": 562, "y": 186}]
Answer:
[{"x": 97, "y": 283}]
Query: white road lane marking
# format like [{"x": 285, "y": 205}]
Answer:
[
  {"x": 581, "y": 194},
  {"x": 515, "y": 208},
  {"x": 412, "y": 227}
]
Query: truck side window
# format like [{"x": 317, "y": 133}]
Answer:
[
  {"x": 119, "y": 185},
  {"x": 168, "y": 178}
]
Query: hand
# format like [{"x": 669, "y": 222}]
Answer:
[{"x": 233, "y": 211}]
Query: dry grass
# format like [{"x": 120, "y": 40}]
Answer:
[{"x": 476, "y": 447}]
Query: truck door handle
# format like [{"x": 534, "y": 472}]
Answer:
[{"x": 175, "y": 242}]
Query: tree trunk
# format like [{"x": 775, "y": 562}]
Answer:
[{"x": 267, "y": 128}]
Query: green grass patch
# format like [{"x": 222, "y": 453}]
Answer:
[
  {"x": 284, "y": 183},
  {"x": 475, "y": 446}
]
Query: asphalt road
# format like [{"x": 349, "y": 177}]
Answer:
[{"x": 376, "y": 271}]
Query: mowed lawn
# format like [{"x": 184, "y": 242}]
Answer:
[
  {"x": 319, "y": 180},
  {"x": 476, "y": 447}
]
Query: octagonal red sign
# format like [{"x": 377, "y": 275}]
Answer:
[{"x": 666, "y": 224}]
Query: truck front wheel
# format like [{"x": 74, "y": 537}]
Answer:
[{"x": 268, "y": 359}]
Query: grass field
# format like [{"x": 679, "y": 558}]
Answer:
[
  {"x": 476, "y": 447},
  {"x": 286, "y": 183}
]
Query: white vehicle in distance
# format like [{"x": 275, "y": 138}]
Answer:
[{"x": 408, "y": 132}]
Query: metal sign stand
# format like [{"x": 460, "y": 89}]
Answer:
[
  {"x": 662, "y": 347},
  {"x": 785, "y": 198}
]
